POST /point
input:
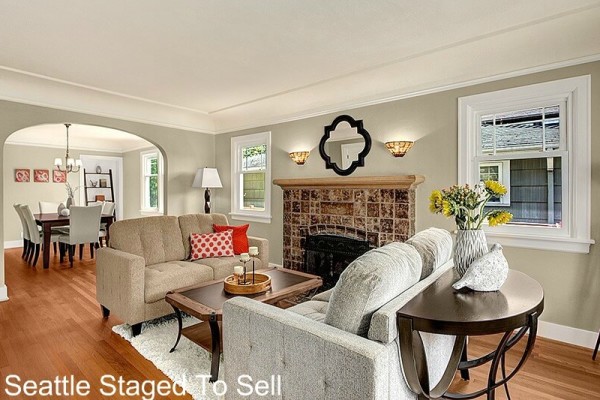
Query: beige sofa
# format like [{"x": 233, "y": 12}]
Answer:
[{"x": 148, "y": 257}]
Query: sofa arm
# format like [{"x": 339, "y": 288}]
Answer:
[
  {"x": 261, "y": 340},
  {"x": 263, "y": 249},
  {"x": 120, "y": 284}
]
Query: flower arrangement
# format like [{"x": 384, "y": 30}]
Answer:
[{"x": 467, "y": 205}]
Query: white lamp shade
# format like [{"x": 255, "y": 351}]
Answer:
[
  {"x": 57, "y": 162},
  {"x": 207, "y": 178}
]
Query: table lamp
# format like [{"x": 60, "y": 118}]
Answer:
[{"x": 207, "y": 178}]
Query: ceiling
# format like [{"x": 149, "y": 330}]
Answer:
[
  {"x": 81, "y": 137},
  {"x": 220, "y": 65}
]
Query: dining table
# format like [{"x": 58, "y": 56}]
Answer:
[{"x": 50, "y": 220}]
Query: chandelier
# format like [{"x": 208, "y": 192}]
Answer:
[{"x": 71, "y": 165}]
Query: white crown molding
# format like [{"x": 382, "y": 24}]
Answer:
[
  {"x": 31, "y": 98},
  {"x": 38, "y": 90},
  {"x": 406, "y": 95},
  {"x": 120, "y": 150}
]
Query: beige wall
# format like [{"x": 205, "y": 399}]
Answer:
[
  {"x": 31, "y": 193},
  {"x": 185, "y": 151},
  {"x": 571, "y": 281}
]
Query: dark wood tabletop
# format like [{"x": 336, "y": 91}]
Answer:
[
  {"x": 441, "y": 309},
  {"x": 204, "y": 299}
]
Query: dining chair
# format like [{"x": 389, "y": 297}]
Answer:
[
  {"x": 35, "y": 236},
  {"x": 25, "y": 230},
  {"x": 84, "y": 228},
  {"x": 108, "y": 208},
  {"x": 47, "y": 207}
]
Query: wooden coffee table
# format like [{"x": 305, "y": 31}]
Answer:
[{"x": 205, "y": 302}]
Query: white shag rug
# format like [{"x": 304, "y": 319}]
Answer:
[{"x": 184, "y": 364}]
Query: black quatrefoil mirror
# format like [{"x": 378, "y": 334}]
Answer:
[{"x": 345, "y": 145}]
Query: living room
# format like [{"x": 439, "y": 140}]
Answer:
[{"x": 414, "y": 75}]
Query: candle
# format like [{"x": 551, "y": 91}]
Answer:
[
  {"x": 244, "y": 257},
  {"x": 238, "y": 270},
  {"x": 253, "y": 251}
]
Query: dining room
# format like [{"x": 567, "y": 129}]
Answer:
[{"x": 61, "y": 180}]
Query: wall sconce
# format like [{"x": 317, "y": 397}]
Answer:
[
  {"x": 399, "y": 148},
  {"x": 299, "y": 157}
]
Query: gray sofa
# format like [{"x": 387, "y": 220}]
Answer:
[
  {"x": 343, "y": 344},
  {"x": 148, "y": 257}
]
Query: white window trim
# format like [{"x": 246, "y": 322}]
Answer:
[
  {"x": 143, "y": 209},
  {"x": 576, "y": 174},
  {"x": 504, "y": 178},
  {"x": 237, "y": 212}
]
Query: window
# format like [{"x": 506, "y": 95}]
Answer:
[
  {"x": 497, "y": 171},
  {"x": 536, "y": 141},
  {"x": 251, "y": 177},
  {"x": 152, "y": 182}
]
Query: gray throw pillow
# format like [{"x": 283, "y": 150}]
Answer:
[{"x": 369, "y": 282}]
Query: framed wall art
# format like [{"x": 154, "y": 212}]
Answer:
[
  {"x": 41, "y": 175},
  {"x": 22, "y": 175},
  {"x": 59, "y": 176}
]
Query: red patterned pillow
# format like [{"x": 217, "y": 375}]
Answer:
[{"x": 207, "y": 245}]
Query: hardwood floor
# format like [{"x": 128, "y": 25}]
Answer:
[{"x": 52, "y": 326}]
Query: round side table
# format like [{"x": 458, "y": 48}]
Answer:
[{"x": 440, "y": 309}]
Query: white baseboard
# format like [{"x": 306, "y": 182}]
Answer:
[
  {"x": 273, "y": 265},
  {"x": 3, "y": 293},
  {"x": 11, "y": 244},
  {"x": 567, "y": 334}
]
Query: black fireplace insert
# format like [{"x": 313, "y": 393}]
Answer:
[{"x": 328, "y": 255}]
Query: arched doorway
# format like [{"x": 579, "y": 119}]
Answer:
[{"x": 30, "y": 175}]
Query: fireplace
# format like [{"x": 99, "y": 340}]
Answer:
[
  {"x": 328, "y": 255},
  {"x": 375, "y": 209}
]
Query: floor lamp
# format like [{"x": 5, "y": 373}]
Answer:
[{"x": 207, "y": 178}]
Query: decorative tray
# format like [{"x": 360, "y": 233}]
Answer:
[{"x": 262, "y": 283}]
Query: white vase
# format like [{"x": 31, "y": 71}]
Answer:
[{"x": 470, "y": 245}]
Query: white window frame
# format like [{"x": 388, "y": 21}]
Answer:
[
  {"x": 575, "y": 95},
  {"x": 144, "y": 156},
  {"x": 503, "y": 178},
  {"x": 237, "y": 212}
]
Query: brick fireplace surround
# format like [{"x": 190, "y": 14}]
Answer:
[{"x": 380, "y": 209}]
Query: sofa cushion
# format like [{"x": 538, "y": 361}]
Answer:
[
  {"x": 223, "y": 266},
  {"x": 197, "y": 223},
  {"x": 314, "y": 310},
  {"x": 206, "y": 245},
  {"x": 323, "y": 296},
  {"x": 156, "y": 239},
  {"x": 435, "y": 247},
  {"x": 163, "y": 277},
  {"x": 369, "y": 282}
]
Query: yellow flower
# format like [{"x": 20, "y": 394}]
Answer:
[
  {"x": 495, "y": 188},
  {"x": 499, "y": 217},
  {"x": 435, "y": 201},
  {"x": 446, "y": 208}
]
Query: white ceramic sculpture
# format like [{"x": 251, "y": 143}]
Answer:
[
  {"x": 487, "y": 273},
  {"x": 65, "y": 212}
]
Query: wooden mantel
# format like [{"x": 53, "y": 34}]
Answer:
[{"x": 354, "y": 182}]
